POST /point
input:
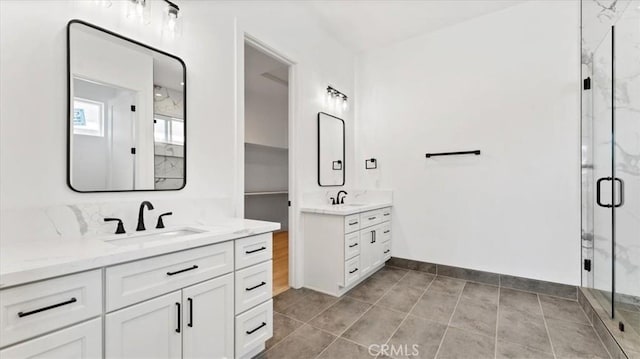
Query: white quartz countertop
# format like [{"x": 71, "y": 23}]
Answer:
[
  {"x": 31, "y": 260},
  {"x": 344, "y": 209}
]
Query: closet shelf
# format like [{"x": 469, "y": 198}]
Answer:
[
  {"x": 266, "y": 193},
  {"x": 266, "y": 146}
]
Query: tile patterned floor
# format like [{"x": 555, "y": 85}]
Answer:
[{"x": 443, "y": 317}]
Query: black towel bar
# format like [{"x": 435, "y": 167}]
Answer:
[{"x": 475, "y": 152}]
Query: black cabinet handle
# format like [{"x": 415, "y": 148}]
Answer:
[
  {"x": 183, "y": 270},
  {"x": 372, "y": 218},
  {"x": 386, "y": 214},
  {"x": 387, "y": 231},
  {"x": 24, "y": 314},
  {"x": 353, "y": 223},
  {"x": 387, "y": 251},
  {"x": 190, "y": 300},
  {"x": 353, "y": 271},
  {"x": 255, "y": 286},
  {"x": 373, "y": 236},
  {"x": 256, "y": 329},
  {"x": 353, "y": 245},
  {"x": 256, "y": 250},
  {"x": 178, "y": 311}
]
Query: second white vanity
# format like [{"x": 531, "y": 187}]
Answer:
[{"x": 344, "y": 245}]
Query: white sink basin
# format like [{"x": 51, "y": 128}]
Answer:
[{"x": 152, "y": 236}]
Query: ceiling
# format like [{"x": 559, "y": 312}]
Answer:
[
  {"x": 365, "y": 24},
  {"x": 264, "y": 74}
]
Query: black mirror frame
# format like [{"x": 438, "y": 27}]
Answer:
[
  {"x": 69, "y": 109},
  {"x": 344, "y": 164}
]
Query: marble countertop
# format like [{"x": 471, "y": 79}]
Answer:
[
  {"x": 31, "y": 260},
  {"x": 344, "y": 209}
]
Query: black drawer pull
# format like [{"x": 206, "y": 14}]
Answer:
[
  {"x": 386, "y": 214},
  {"x": 190, "y": 300},
  {"x": 353, "y": 223},
  {"x": 387, "y": 251},
  {"x": 178, "y": 311},
  {"x": 353, "y": 271},
  {"x": 24, "y": 314},
  {"x": 353, "y": 245},
  {"x": 183, "y": 270},
  {"x": 387, "y": 231},
  {"x": 372, "y": 218},
  {"x": 256, "y": 250},
  {"x": 257, "y": 328},
  {"x": 255, "y": 286}
]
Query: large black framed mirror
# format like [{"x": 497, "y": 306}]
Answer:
[
  {"x": 127, "y": 113},
  {"x": 331, "y": 151}
]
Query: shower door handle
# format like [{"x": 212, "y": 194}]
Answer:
[
  {"x": 598, "y": 201},
  {"x": 621, "y": 182}
]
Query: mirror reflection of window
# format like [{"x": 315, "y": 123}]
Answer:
[
  {"x": 88, "y": 117},
  {"x": 168, "y": 130}
]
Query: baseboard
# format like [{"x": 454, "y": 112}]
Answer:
[{"x": 497, "y": 279}]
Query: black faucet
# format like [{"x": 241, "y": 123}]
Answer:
[
  {"x": 141, "y": 215},
  {"x": 341, "y": 201}
]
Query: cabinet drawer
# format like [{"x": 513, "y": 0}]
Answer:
[
  {"x": 370, "y": 218},
  {"x": 351, "y": 271},
  {"x": 136, "y": 281},
  {"x": 253, "y": 250},
  {"x": 385, "y": 232},
  {"x": 82, "y": 341},
  {"x": 33, "y": 309},
  {"x": 386, "y": 250},
  {"x": 351, "y": 223},
  {"x": 253, "y": 328},
  {"x": 351, "y": 245},
  {"x": 254, "y": 285},
  {"x": 386, "y": 214}
]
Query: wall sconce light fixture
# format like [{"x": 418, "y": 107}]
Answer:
[
  {"x": 171, "y": 23},
  {"x": 336, "y": 97}
]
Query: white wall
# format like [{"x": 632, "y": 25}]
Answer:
[
  {"x": 33, "y": 71},
  {"x": 506, "y": 83}
]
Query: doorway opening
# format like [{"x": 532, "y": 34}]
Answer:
[{"x": 266, "y": 151}]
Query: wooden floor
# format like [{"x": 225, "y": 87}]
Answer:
[{"x": 280, "y": 262}]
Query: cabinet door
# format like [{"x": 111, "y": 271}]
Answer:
[
  {"x": 151, "y": 329},
  {"x": 82, "y": 341},
  {"x": 377, "y": 256},
  {"x": 208, "y": 318},
  {"x": 367, "y": 250}
]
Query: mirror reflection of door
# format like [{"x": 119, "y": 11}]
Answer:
[
  {"x": 127, "y": 114},
  {"x": 331, "y": 165}
]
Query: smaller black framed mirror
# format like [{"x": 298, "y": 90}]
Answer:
[
  {"x": 331, "y": 150},
  {"x": 127, "y": 113}
]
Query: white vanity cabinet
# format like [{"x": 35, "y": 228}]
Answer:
[
  {"x": 343, "y": 250},
  {"x": 212, "y": 301}
]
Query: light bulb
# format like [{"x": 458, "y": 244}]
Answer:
[
  {"x": 171, "y": 22},
  {"x": 344, "y": 103}
]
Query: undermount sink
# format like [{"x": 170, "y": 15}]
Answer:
[{"x": 153, "y": 235}]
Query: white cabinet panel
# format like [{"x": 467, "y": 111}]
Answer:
[
  {"x": 253, "y": 250},
  {"x": 351, "y": 223},
  {"x": 352, "y": 271},
  {"x": 82, "y": 341},
  {"x": 351, "y": 245},
  {"x": 254, "y": 285},
  {"x": 136, "y": 281},
  {"x": 150, "y": 329},
  {"x": 208, "y": 319},
  {"x": 253, "y": 328},
  {"x": 32, "y": 309}
]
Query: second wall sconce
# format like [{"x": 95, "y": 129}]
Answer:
[{"x": 337, "y": 97}]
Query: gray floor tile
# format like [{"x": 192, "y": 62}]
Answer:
[
  {"x": 573, "y": 340},
  {"x": 476, "y": 316},
  {"x": 306, "y": 342},
  {"x": 519, "y": 301},
  {"x": 418, "y": 279},
  {"x": 480, "y": 292},
  {"x": 523, "y": 328},
  {"x": 375, "y": 327},
  {"x": 538, "y": 286},
  {"x": 446, "y": 285},
  {"x": 461, "y": 344},
  {"x": 310, "y": 305},
  {"x": 390, "y": 274},
  {"x": 287, "y": 298},
  {"x": 371, "y": 290},
  {"x": 562, "y": 309},
  {"x": 345, "y": 349},
  {"x": 415, "y": 331},
  {"x": 401, "y": 297},
  {"x": 282, "y": 326},
  {"x": 507, "y": 350},
  {"x": 469, "y": 274},
  {"x": 436, "y": 307},
  {"x": 632, "y": 319},
  {"x": 337, "y": 318}
]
